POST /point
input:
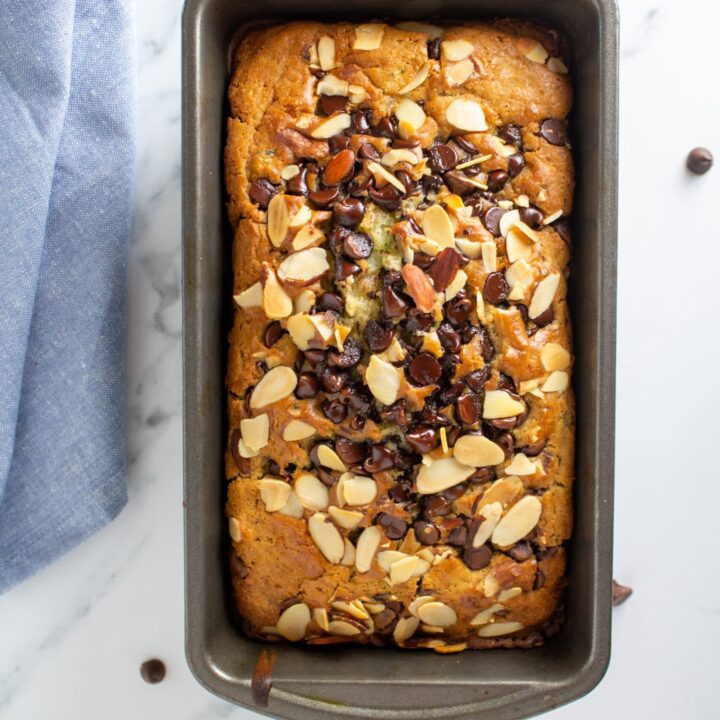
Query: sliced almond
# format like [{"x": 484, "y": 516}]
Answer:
[
  {"x": 274, "y": 493},
  {"x": 436, "y": 224},
  {"x": 348, "y": 558},
  {"x": 275, "y": 301},
  {"x": 544, "y": 294},
  {"x": 326, "y": 53},
  {"x": 304, "y": 301},
  {"x": 304, "y": 267},
  {"x": 500, "y": 404},
  {"x": 348, "y": 519},
  {"x": 301, "y": 217},
  {"x": 343, "y": 628},
  {"x": 301, "y": 330},
  {"x": 459, "y": 72},
  {"x": 366, "y": 547},
  {"x": 410, "y": 113},
  {"x": 550, "y": 219},
  {"x": 386, "y": 558},
  {"x": 500, "y": 628},
  {"x": 292, "y": 508},
  {"x": 368, "y": 36},
  {"x": 333, "y": 86},
  {"x": 532, "y": 50},
  {"x": 520, "y": 273},
  {"x": 438, "y": 614},
  {"x": 380, "y": 173},
  {"x": 354, "y": 609},
  {"x": 398, "y": 155},
  {"x": 489, "y": 256},
  {"x": 255, "y": 431},
  {"x": 509, "y": 594},
  {"x": 330, "y": 459},
  {"x": 554, "y": 357},
  {"x": 334, "y": 125},
  {"x": 311, "y": 492},
  {"x": 455, "y": 50},
  {"x": 327, "y": 538},
  {"x": 557, "y": 66},
  {"x": 433, "y": 31},
  {"x": 234, "y": 529},
  {"x": 518, "y": 521},
  {"x": 557, "y": 382},
  {"x": 509, "y": 220},
  {"x": 278, "y": 219},
  {"x": 383, "y": 380},
  {"x": 492, "y": 512},
  {"x": 356, "y": 490},
  {"x": 466, "y": 115},
  {"x": 418, "y": 80},
  {"x": 405, "y": 629},
  {"x": 274, "y": 385},
  {"x": 245, "y": 451},
  {"x": 297, "y": 430},
  {"x": 324, "y": 326},
  {"x": 441, "y": 475},
  {"x": 293, "y": 622},
  {"x": 478, "y": 451},
  {"x": 517, "y": 246},
  {"x": 289, "y": 172},
  {"x": 503, "y": 491},
  {"x": 521, "y": 465},
  {"x": 456, "y": 285},
  {"x": 250, "y": 298},
  {"x": 469, "y": 248},
  {"x": 405, "y": 568},
  {"x": 320, "y": 616},
  {"x": 418, "y": 602},
  {"x": 486, "y": 615}
]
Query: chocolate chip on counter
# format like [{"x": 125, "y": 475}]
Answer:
[
  {"x": 153, "y": 671},
  {"x": 458, "y": 183},
  {"x": 324, "y": 196},
  {"x": 477, "y": 558},
  {"x": 351, "y": 452},
  {"x": 435, "y": 506},
  {"x": 356, "y": 245},
  {"x": 381, "y": 458},
  {"x": 520, "y": 552},
  {"x": 449, "y": 337},
  {"x": 424, "y": 369},
  {"x": 368, "y": 152},
  {"x": 394, "y": 527},
  {"x": 491, "y": 220},
  {"x": 554, "y": 131},
  {"x": 384, "y": 128},
  {"x": 333, "y": 380},
  {"x": 699, "y": 161},
  {"x": 442, "y": 158},
  {"x": 273, "y": 332},
  {"x": 433, "y": 49},
  {"x": 422, "y": 438},
  {"x": 308, "y": 386},
  {"x": 531, "y": 216},
  {"x": 444, "y": 269},
  {"x": 516, "y": 163},
  {"x": 468, "y": 408},
  {"x": 394, "y": 305},
  {"x": 425, "y": 532},
  {"x": 349, "y": 212},
  {"x": 545, "y": 317},
  {"x": 298, "y": 185},
  {"x": 330, "y": 301},
  {"x": 329, "y": 104},
  {"x": 349, "y": 357},
  {"x": 510, "y": 134},
  {"x": 261, "y": 192},
  {"x": 360, "y": 121},
  {"x": 620, "y": 593},
  {"x": 496, "y": 289},
  {"x": 496, "y": 180},
  {"x": 378, "y": 335},
  {"x": 335, "y": 410}
]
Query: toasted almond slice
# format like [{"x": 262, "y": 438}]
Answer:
[
  {"x": 348, "y": 519},
  {"x": 255, "y": 431},
  {"x": 245, "y": 451},
  {"x": 357, "y": 94},
  {"x": 517, "y": 246},
  {"x": 301, "y": 217},
  {"x": 367, "y": 545},
  {"x": 408, "y": 111},
  {"x": 532, "y": 49},
  {"x": 509, "y": 594},
  {"x": 368, "y": 36},
  {"x": 348, "y": 558},
  {"x": 544, "y": 294},
  {"x": 380, "y": 172},
  {"x": 307, "y": 236},
  {"x": 550, "y": 219},
  {"x": 411, "y": 26},
  {"x": 326, "y": 53},
  {"x": 383, "y": 380},
  {"x": 398, "y": 155},
  {"x": 521, "y": 465},
  {"x": 500, "y": 628},
  {"x": 557, "y": 382},
  {"x": 234, "y": 529},
  {"x": 289, "y": 172},
  {"x": 459, "y": 72},
  {"x": 418, "y": 602},
  {"x": 478, "y": 451},
  {"x": 466, "y": 115},
  {"x": 436, "y": 224},
  {"x": 330, "y": 459},
  {"x": 469, "y": 248},
  {"x": 325, "y": 326},
  {"x": 492, "y": 512},
  {"x": 503, "y": 491},
  {"x": 343, "y": 628},
  {"x": 304, "y": 267},
  {"x": 519, "y": 275},
  {"x": 437, "y": 613},
  {"x": 509, "y": 220},
  {"x": 486, "y": 615},
  {"x": 250, "y": 298},
  {"x": 327, "y": 537},
  {"x": 274, "y": 385},
  {"x": 292, "y": 508},
  {"x": 554, "y": 357},
  {"x": 333, "y": 86},
  {"x": 473, "y": 161},
  {"x": 320, "y": 616},
  {"x": 557, "y": 66},
  {"x": 431, "y": 343},
  {"x": 278, "y": 219},
  {"x": 455, "y": 50},
  {"x": 518, "y": 521},
  {"x": 500, "y": 404},
  {"x": 293, "y": 622},
  {"x": 386, "y": 558},
  {"x": 301, "y": 330},
  {"x": 356, "y": 490},
  {"x": 418, "y": 80},
  {"x": 404, "y": 568},
  {"x": 334, "y": 125},
  {"x": 304, "y": 301},
  {"x": 312, "y": 493},
  {"x": 456, "y": 285},
  {"x": 353, "y": 608},
  {"x": 405, "y": 629},
  {"x": 275, "y": 301},
  {"x": 441, "y": 475},
  {"x": 274, "y": 493},
  {"x": 297, "y": 430},
  {"x": 489, "y": 256}
]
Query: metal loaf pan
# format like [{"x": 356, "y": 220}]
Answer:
[{"x": 336, "y": 682}]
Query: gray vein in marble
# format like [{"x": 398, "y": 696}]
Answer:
[{"x": 643, "y": 32}]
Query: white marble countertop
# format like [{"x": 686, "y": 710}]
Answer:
[{"x": 72, "y": 638}]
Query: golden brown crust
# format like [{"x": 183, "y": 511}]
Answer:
[{"x": 361, "y": 504}]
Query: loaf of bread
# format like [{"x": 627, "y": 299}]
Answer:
[{"x": 401, "y": 422}]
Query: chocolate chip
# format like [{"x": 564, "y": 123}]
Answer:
[
  {"x": 396, "y": 413},
  {"x": 330, "y": 301},
  {"x": 335, "y": 410},
  {"x": 394, "y": 305},
  {"x": 496, "y": 180},
  {"x": 505, "y": 382},
  {"x": 468, "y": 332},
  {"x": 506, "y": 441},
  {"x": 394, "y": 527},
  {"x": 324, "y": 196},
  {"x": 435, "y": 506},
  {"x": 329, "y": 104},
  {"x": 351, "y": 452},
  {"x": 384, "y": 128},
  {"x": 520, "y": 552},
  {"x": 418, "y": 321},
  {"x": 458, "y": 183},
  {"x": 308, "y": 386},
  {"x": 314, "y": 356},
  {"x": 349, "y": 357},
  {"x": 360, "y": 121},
  {"x": 338, "y": 142},
  {"x": 345, "y": 268},
  {"x": 458, "y": 309},
  {"x": 442, "y": 158},
  {"x": 477, "y": 378},
  {"x": 554, "y": 131},
  {"x": 503, "y": 423},
  {"x": 368, "y": 152},
  {"x": 699, "y": 161},
  {"x": 324, "y": 475},
  {"x": 510, "y": 134},
  {"x": 491, "y": 220},
  {"x": 423, "y": 260},
  {"x": 534, "y": 450},
  {"x": 424, "y": 369},
  {"x": 408, "y": 183},
  {"x": 496, "y": 288},
  {"x": 381, "y": 458},
  {"x": 449, "y": 337},
  {"x": 430, "y": 416},
  {"x": 516, "y": 163},
  {"x": 153, "y": 671},
  {"x": 357, "y": 245},
  {"x": 483, "y": 475},
  {"x": 545, "y": 317},
  {"x": 422, "y": 438},
  {"x": 477, "y": 558},
  {"x": 562, "y": 228},
  {"x": 357, "y": 397},
  {"x": 457, "y": 536},
  {"x": 387, "y": 197},
  {"x": 430, "y": 184},
  {"x": 261, "y": 192},
  {"x": 333, "y": 380},
  {"x": 468, "y": 408},
  {"x": 531, "y": 216},
  {"x": 273, "y": 332},
  {"x": 433, "y": 49},
  {"x": 385, "y": 621},
  {"x": 298, "y": 185},
  {"x": 620, "y": 593},
  {"x": 349, "y": 212},
  {"x": 539, "y": 579},
  {"x": 425, "y": 532},
  {"x": 378, "y": 335}
]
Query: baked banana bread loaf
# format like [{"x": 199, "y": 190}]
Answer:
[{"x": 400, "y": 454}]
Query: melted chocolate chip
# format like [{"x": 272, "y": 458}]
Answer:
[
  {"x": 394, "y": 305},
  {"x": 535, "y": 449},
  {"x": 458, "y": 309},
  {"x": 496, "y": 288},
  {"x": 387, "y": 197},
  {"x": 368, "y": 152},
  {"x": 531, "y": 216},
  {"x": 433, "y": 49},
  {"x": 520, "y": 552},
  {"x": 554, "y": 131},
  {"x": 349, "y": 357},
  {"x": 408, "y": 183},
  {"x": 459, "y": 183},
  {"x": 496, "y": 180},
  {"x": 384, "y": 128},
  {"x": 511, "y": 135},
  {"x": 329, "y": 104},
  {"x": 545, "y": 317},
  {"x": 477, "y": 378},
  {"x": 381, "y": 458},
  {"x": 394, "y": 527},
  {"x": 516, "y": 163},
  {"x": 424, "y": 369},
  {"x": 396, "y": 413},
  {"x": 333, "y": 380},
  {"x": 356, "y": 245},
  {"x": 360, "y": 121},
  {"x": 562, "y": 228},
  {"x": 338, "y": 142},
  {"x": 422, "y": 438},
  {"x": 314, "y": 356},
  {"x": 477, "y": 558},
  {"x": 457, "y": 536},
  {"x": 418, "y": 321},
  {"x": 469, "y": 409},
  {"x": 351, "y": 452},
  {"x": 430, "y": 184},
  {"x": 378, "y": 335},
  {"x": 425, "y": 532},
  {"x": 349, "y": 212},
  {"x": 442, "y": 158},
  {"x": 335, "y": 410},
  {"x": 308, "y": 386},
  {"x": 357, "y": 397},
  {"x": 273, "y": 332},
  {"x": 324, "y": 196},
  {"x": 423, "y": 260},
  {"x": 261, "y": 192},
  {"x": 330, "y": 301},
  {"x": 435, "y": 506},
  {"x": 345, "y": 268},
  {"x": 491, "y": 220},
  {"x": 449, "y": 337}
]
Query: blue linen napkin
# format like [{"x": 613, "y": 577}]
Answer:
[{"x": 66, "y": 157}]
